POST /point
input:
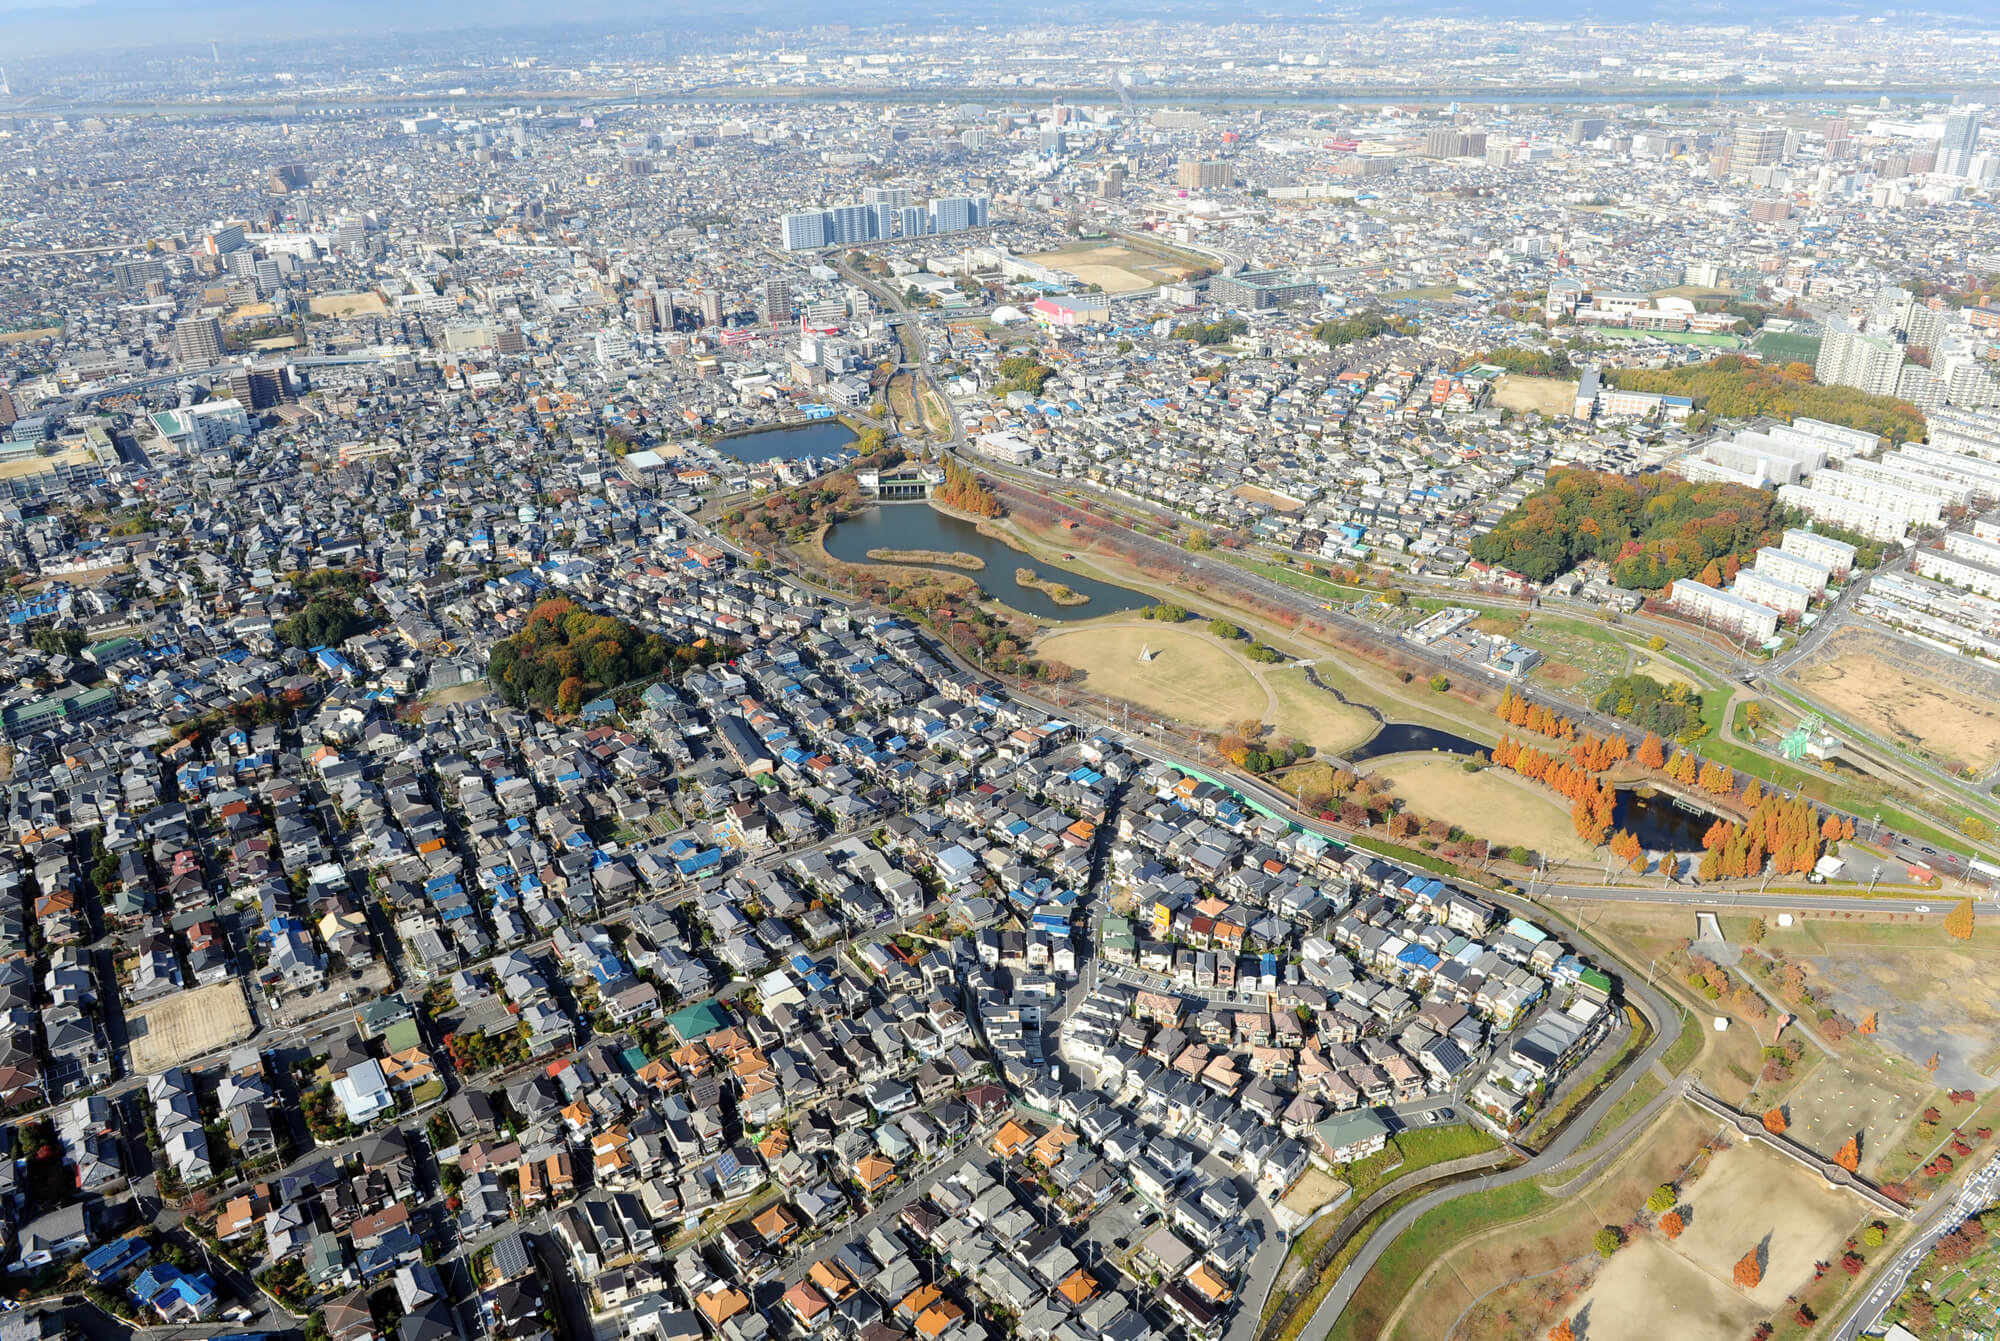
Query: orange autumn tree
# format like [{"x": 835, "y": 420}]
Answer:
[
  {"x": 1849, "y": 1155},
  {"x": 1562, "y": 1331},
  {"x": 1868, "y": 1024},
  {"x": 1774, "y": 1122},
  {"x": 1749, "y": 1271},
  {"x": 1651, "y": 753},
  {"x": 1671, "y": 1224}
]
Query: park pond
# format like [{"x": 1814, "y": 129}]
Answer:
[
  {"x": 917, "y": 526},
  {"x": 823, "y": 439}
]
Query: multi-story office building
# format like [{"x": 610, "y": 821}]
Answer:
[
  {"x": 955, "y": 214},
  {"x": 201, "y": 427},
  {"x": 1257, "y": 290},
  {"x": 614, "y": 346},
  {"x": 1756, "y": 147},
  {"x": 1205, "y": 174},
  {"x": 1446, "y": 142},
  {"x": 880, "y": 220},
  {"x": 138, "y": 272},
  {"x": 1961, "y": 134},
  {"x": 259, "y": 388},
  {"x": 804, "y": 231},
  {"x": 198, "y": 340},
  {"x": 224, "y": 240},
  {"x": 776, "y": 300}
]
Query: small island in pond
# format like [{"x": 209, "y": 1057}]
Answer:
[
  {"x": 1055, "y": 591},
  {"x": 956, "y": 558}
]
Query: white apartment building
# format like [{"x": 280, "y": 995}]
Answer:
[
  {"x": 1702, "y": 470},
  {"x": 1839, "y": 440},
  {"x": 1948, "y": 492},
  {"x": 1837, "y": 555},
  {"x": 1981, "y": 477},
  {"x": 1724, "y": 610},
  {"x": 1765, "y": 459},
  {"x": 1847, "y": 513},
  {"x": 1958, "y": 570},
  {"x": 1967, "y": 545},
  {"x": 1787, "y": 598},
  {"x": 1920, "y": 509},
  {"x": 1870, "y": 363},
  {"x": 1973, "y": 432},
  {"x": 1796, "y": 569}
]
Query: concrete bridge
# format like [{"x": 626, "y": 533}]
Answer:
[{"x": 1835, "y": 1175}]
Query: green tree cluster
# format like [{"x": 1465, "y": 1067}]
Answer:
[
  {"x": 325, "y": 620},
  {"x": 1652, "y": 529},
  {"x": 565, "y": 656},
  {"x": 1022, "y": 372},
  {"x": 1529, "y": 362},
  {"x": 1361, "y": 326},
  {"x": 1672, "y": 711},
  {"x": 64, "y": 642},
  {"x": 1211, "y": 332},
  {"x": 1735, "y": 387}
]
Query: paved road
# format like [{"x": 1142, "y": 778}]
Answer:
[
  {"x": 1307, "y": 607},
  {"x": 1558, "y": 1155},
  {"x": 1940, "y": 1220}
]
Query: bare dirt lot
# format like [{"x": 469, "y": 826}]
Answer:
[
  {"x": 1250, "y": 493},
  {"x": 1751, "y": 1198},
  {"x": 1550, "y": 395},
  {"x": 187, "y": 1025},
  {"x": 1649, "y": 1281},
  {"x": 349, "y": 305},
  {"x": 1312, "y": 1191},
  {"x": 1839, "y": 1101},
  {"x": 1113, "y": 267},
  {"x": 1916, "y": 696}
]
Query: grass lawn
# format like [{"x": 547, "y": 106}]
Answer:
[
  {"x": 1683, "y": 1049},
  {"x": 1367, "y": 1313},
  {"x": 1192, "y": 677},
  {"x": 1643, "y": 1092},
  {"x": 1315, "y": 716},
  {"x": 1412, "y": 1150},
  {"x": 1492, "y": 803}
]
